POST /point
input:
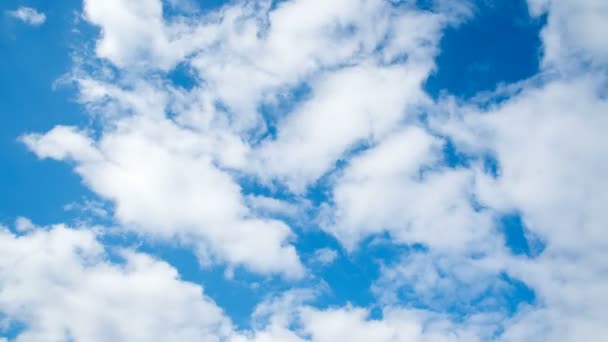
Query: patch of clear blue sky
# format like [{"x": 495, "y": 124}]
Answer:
[
  {"x": 499, "y": 44},
  {"x": 32, "y": 59},
  {"x": 12, "y": 330},
  {"x": 518, "y": 237}
]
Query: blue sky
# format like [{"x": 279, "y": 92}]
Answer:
[{"x": 295, "y": 170}]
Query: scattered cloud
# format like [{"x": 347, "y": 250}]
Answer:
[
  {"x": 170, "y": 177},
  {"x": 325, "y": 256},
  {"x": 337, "y": 124},
  {"x": 28, "y": 15}
]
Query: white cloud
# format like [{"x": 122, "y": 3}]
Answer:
[
  {"x": 60, "y": 284},
  {"x": 354, "y": 324},
  {"x": 135, "y": 33},
  {"x": 28, "y": 15},
  {"x": 88, "y": 207},
  {"x": 255, "y": 59},
  {"x": 550, "y": 149},
  {"x": 168, "y": 158},
  {"x": 244, "y": 52},
  {"x": 277, "y": 207},
  {"x": 557, "y": 180},
  {"x": 549, "y": 142},
  {"x": 23, "y": 224},
  {"x": 325, "y": 256},
  {"x": 62, "y": 142},
  {"x": 573, "y": 33},
  {"x": 164, "y": 184},
  {"x": 288, "y": 318},
  {"x": 363, "y": 102},
  {"x": 386, "y": 189}
]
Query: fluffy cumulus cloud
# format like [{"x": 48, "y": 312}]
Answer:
[
  {"x": 407, "y": 196},
  {"x": 550, "y": 144},
  {"x": 289, "y": 318},
  {"x": 165, "y": 185},
  {"x": 572, "y": 33},
  {"x": 60, "y": 285},
  {"x": 308, "y": 115},
  {"x": 170, "y": 158}
]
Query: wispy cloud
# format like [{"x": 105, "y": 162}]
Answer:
[{"x": 28, "y": 15}]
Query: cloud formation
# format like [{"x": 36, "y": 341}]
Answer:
[
  {"x": 163, "y": 184},
  {"x": 28, "y": 15},
  {"x": 175, "y": 176},
  {"x": 61, "y": 284},
  {"x": 314, "y": 113}
]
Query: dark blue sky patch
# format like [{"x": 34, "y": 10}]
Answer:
[
  {"x": 351, "y": 276},
  {"x": 499, "y": 44},
  {"x": 181, "y": 76},
  {"x": 520, "y": 293},
  {"x": 172, "y": 8},
  {"x": 254, "y": 187},
  {"x": 453, "y": 157},
  {"x": 13, "y": 329},
  {"x": 426, "y": 5},
  {"x": 347, "y": 282},
  {"x": 518, "y": 238},
  {"x": 491, "y": 166}
]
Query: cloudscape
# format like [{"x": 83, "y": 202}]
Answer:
[{"x": 303, "y": 170}]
